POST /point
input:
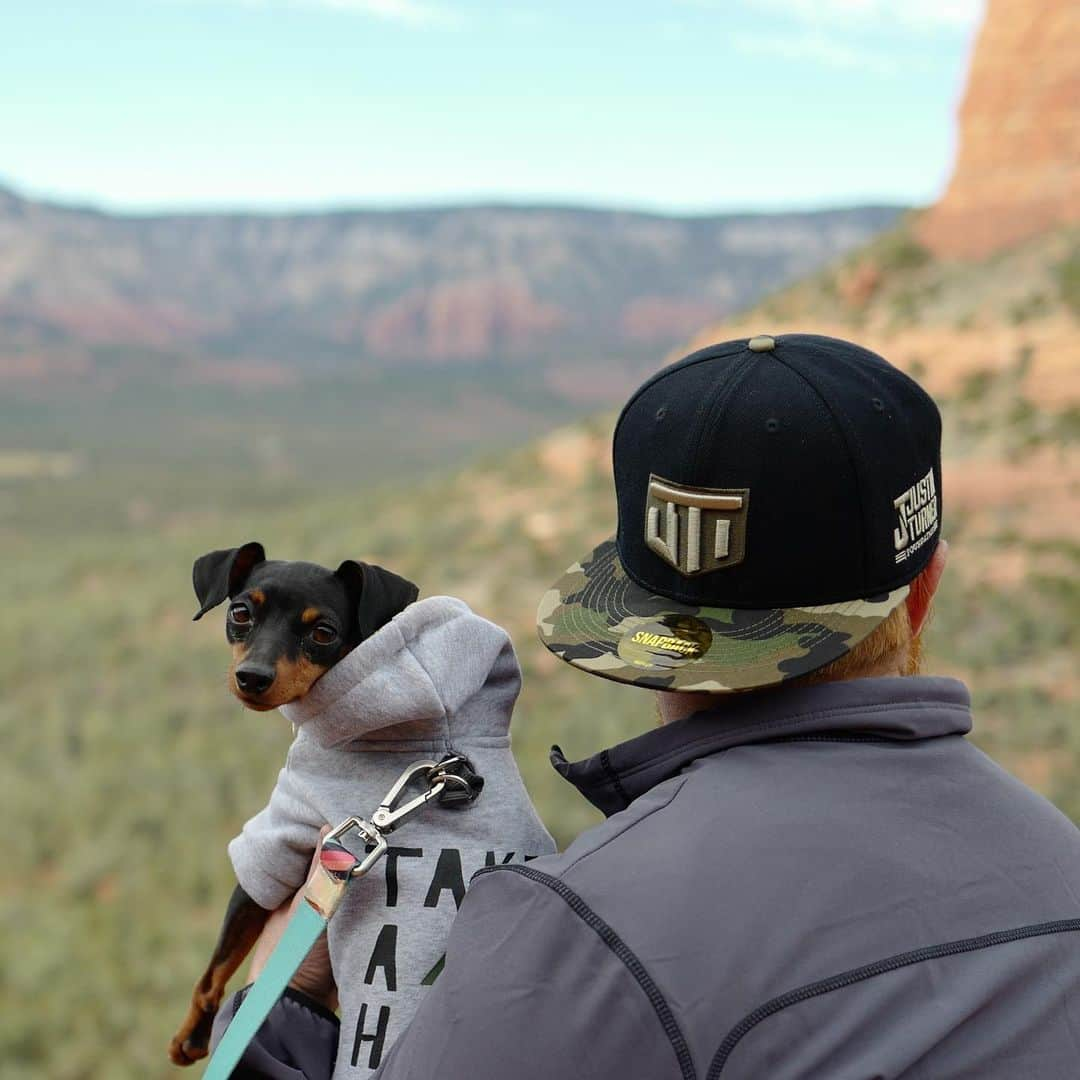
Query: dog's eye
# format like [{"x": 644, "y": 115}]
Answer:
[
  {"x": 323, "y": 634},
  {"x": 240, "y": 615}
]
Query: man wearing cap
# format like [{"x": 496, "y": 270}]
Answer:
[{"x": 806, "y": 870}]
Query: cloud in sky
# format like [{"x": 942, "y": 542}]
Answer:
[
  {"x": 854, "y": 35},
  {"x": 924, "y": 15},
  {"x": 403, "y": 11},
  {"x": 414, "y": 13},
  {"x": 816, "y": 48}
]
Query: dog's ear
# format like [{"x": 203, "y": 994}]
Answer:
[
  {"x": 379, "y": 594},
  {"x": 218, "y": 574}
]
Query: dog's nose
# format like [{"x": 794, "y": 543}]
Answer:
[{"x": 254, "y": 680}]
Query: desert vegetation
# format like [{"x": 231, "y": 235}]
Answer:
[{"x": 130, "y": 766}]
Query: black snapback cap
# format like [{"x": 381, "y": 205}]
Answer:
[{"x": 775, "y": 498}]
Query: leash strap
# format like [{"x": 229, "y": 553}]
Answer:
[{"x": 451, "y": 782}]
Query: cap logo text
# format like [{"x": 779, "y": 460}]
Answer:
[
  {"x": 696, "y": 530},
  {"x": 917, "y": 514}
]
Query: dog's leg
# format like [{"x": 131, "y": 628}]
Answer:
[{"x": 244, "y": 921}]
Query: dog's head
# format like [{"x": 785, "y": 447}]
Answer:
[{"x": 289, "y": 622}]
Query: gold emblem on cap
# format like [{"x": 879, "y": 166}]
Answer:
[
  {"x": 761, "y": 343},
  {"x": 696, "y": 530}
]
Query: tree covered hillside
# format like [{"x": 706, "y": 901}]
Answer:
[{"x": 130, "y": 765}]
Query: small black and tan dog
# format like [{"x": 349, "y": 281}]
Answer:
[{"x": 288, "y": 623}]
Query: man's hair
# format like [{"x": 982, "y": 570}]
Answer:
[{"x": 891, "y": 638}]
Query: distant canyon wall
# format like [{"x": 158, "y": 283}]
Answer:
[{"x": 88, "y": 294}]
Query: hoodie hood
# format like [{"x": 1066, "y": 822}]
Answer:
[{"x": 435, "y": 671}]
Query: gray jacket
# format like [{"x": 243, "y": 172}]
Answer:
[
  {"x": 818, "y": 882},
  {"x": 437, "y": 679}
]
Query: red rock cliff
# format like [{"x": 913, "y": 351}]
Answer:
[{"x": 1017, "y": 171}]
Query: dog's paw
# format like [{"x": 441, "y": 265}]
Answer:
[
  {"x": 177, "y": 1054},
  {"x": 182, "y": 1051}
]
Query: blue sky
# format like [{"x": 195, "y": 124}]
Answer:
[{"x": 679, "y": 105}]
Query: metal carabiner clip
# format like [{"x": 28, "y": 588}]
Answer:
[
  {"x": 338, "y": 864},
  {"x": 389, "y": 815}
]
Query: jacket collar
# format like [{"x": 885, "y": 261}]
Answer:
[{"x": 908, "y": 708}]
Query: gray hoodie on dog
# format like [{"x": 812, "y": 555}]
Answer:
[{"x": 437, "y": 679}]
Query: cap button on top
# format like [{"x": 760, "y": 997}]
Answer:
[{"x": 761, "y": 343}]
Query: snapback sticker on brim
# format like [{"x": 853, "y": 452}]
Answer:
[
  {"x": 598, "y": 619},
  {"x": 667, "y": 642}
]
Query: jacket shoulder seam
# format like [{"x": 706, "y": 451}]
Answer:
[
  {"x": 620, "y": 949},
  {"x": 878, "y": 967}
]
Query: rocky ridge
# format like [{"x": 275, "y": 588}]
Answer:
[
  {"x": 1017, "y": 172},
  {"x": 261, "y": 299}
]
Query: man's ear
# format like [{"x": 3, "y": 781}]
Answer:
[
  {"x": 218, "y": 574},
  {"x": 922, "y": 591},
  {"x": 379, "y": 594}
]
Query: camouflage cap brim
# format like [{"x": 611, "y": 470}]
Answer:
[{"x": 598, "y": 619}]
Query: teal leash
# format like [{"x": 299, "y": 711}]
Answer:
[
  {"x": 451, "y": 781},
  {"x": 300, "y": 935}
]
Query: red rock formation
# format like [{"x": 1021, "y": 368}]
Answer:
[
  {"x": 656, "y": 319},
  {"x": 859, "y": 285},
  {"x": 1017, "y": 172},
  {"x": 468, "y": 318}
]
